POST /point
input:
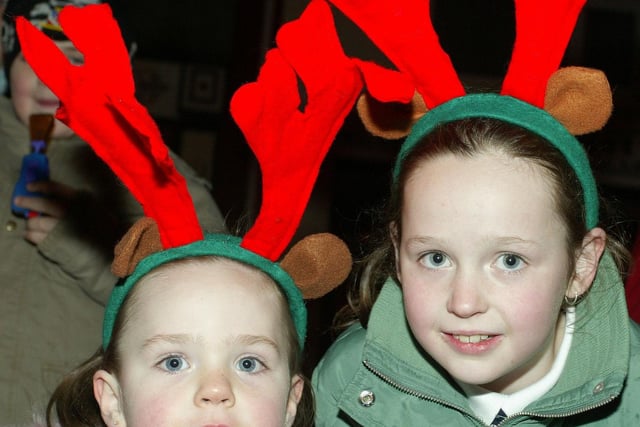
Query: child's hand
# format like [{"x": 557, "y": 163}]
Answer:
[{"x": 52, "y": 208}]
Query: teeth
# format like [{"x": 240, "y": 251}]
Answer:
[{"x": 471, "y": 338}]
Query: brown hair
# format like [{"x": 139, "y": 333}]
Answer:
[
  {"x": 73, "y": 403},
  {"x": 468, "y": 137}
]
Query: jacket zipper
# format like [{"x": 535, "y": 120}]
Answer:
[
  {"x": 417, "y": 394},
  {"x": 423, "y": 396},
  {"x": 604, "y": 402}
]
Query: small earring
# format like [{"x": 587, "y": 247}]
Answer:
[{"x": 572, "y": 302}]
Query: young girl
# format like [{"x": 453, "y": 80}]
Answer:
[
  {"x": 202, "y": 329},
  {"x": 201, "y": 339},
  {"x": 502, "y": 303}
]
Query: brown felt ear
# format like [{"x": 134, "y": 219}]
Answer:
[
  {"x": 390, "y": 120},
  {"x": 579, "y": 98},
  {"x": 142, "y": 239},
  {"x": 317, "y": 264}
]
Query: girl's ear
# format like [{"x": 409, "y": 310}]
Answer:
[
  {"x": 106, "y": 390},
  {"x": 586, "y": 267},
  {"x": 295, "y": 394}
]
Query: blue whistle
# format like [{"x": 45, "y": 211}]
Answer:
[{"x": 35, "y": 167}]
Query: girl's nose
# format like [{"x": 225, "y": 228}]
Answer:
[
  {"x": 466, "y": 297},
  {"x": 215, "y": 389}
]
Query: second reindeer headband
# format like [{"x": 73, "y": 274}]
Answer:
[
  {"x": 289, "y": 134},
  {"x": 553, "y": 103}
]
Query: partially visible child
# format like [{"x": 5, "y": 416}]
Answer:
[
  {"x": 203, "y": 329},
  {"x": 495, "y": 298},
  {"x": 55, "y": 267}
]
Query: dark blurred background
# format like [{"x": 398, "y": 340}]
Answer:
[{"x": 193, "y": 54}]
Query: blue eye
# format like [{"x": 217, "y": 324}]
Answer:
[
  {"x": 174, "y": 364},
  {"x": 435, "y": 260},
  {"x": 510, "y": 262},
  {"x": 250, "y": 364}
]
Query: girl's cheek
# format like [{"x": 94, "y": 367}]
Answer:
[{"x": 150, "y": 412}]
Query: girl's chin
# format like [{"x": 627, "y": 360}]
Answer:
[{"x": 60, "y": 130}]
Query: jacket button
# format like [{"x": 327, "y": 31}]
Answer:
[
  {"x": 10, "y": 225},
  {"x": 367, "y": 398},
  {"x": 598, "y": 388}
]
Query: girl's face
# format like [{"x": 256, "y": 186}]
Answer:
[
  {"x": 30, "y": 96},
  {"x": 205, "y": 346},
  {"x": 484, "y": 268}
]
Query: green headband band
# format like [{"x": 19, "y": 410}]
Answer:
[
  {"x": 514, "y": 111},
  {"x": 213, "y": 245}
]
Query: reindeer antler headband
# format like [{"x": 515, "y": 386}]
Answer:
[
  {"x": 553, "y": 103},
  {"x": 290, "y": 142}
]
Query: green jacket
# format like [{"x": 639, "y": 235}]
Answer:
[
  {"x": 52, "y": 295},
  {"x": 379, "y": 376}
]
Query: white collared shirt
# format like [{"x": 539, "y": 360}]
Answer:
[{"x": 487, "y": 404}]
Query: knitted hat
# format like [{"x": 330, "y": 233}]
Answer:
[
  {"x": 425, "y": 91},
  {"x": 289, "y": 140},
  {"x": 44, "y": 15}
]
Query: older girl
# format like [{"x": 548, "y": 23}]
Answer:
[{"x": 496, "y": 298}]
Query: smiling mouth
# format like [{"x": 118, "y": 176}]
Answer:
[
  {"x": 49, "y": 103},
  {"x": 472, "y": 339}
]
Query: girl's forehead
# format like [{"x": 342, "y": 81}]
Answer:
[
  {"x": 206, "y": 289},
  {"x": 219, "y": 279},
  {"x": 480, "y": 165},
  {"x": 213, "y": 302},
  {"x": 488, "y": 191}
]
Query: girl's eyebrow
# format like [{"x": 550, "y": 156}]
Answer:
[
  {"x": 169, "y": 338},
  {"x": 422, "y": 240},
  {"x": 187, "y": 338},
  {"x": 257, "y": 339},
  {"x": 504, "y": 240},
  {"x": 515, "y": 240}
]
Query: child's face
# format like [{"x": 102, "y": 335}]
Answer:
[
  {"x": 205, "y": 346},
  {"x": 30, "y": 96},
  {"x": 484, "y": 267}
]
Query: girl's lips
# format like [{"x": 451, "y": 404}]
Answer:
[
  {"x": 472, "y": 343},
  {"x": 43, "y": 103}
]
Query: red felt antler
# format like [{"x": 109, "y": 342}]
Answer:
[
  {"x": 543, "y": 30},
  {"x": 403, "y": 30},
  {"x": 99, "y": 104},
  {"x": 290, "y": 141}
]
